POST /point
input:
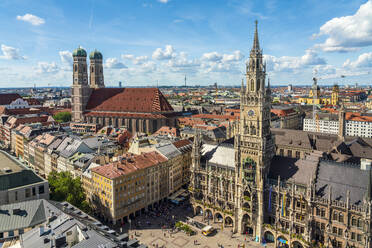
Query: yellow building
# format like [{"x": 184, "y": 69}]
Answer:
[
  {"x": 320, "y": 100},
  {"x": 119, "y": 189}
]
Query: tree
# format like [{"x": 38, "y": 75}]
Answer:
[
  {"x": 62, "y": 116},
  {"x": 64, "y": 187}
]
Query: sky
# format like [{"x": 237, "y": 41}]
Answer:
[{"x": 159, "y": 42}]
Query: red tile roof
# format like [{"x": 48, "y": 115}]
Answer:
[
  {"x": 129, "y": 164},
  {"x": 212, "y": 116},
  {"x": 282, "y": 112},
  {"x": 24, "y": 111},
  {"x": 15, "y": 121},
  {"x": 353, "y": 116},
  {"x": 143, "y": 100},
  {"x": 128, "y": 115},
  {"x": 182, "y": 143},
  {"x": 6, "y": 99},
  {"x": 165, "y": 130},
  {"x": 32, "y": 101}
]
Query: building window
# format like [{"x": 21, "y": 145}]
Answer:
[
  {"x": 334, "y": 230},
  {"x": 360, "y": 223},
  {"x": 317, "y": 212},
  {"x": 341, "y": 218},
  {"x": 290, "y": 153},
  {"x": 353, "y": 221},
  {"x": 11, "y": 233},
  {"x": 281, "y": 152},
  {"x": 322, "y": 212},
  {"x": 359, "y": 237},
  {"x": 21, "y": 231},
  {"x": 16, "y": 195},
  {"x": 33, "y": 191},
  {"x": 335, "y": 216},
  {"x": 340, "y": 232},
  {"x": 298, "y": 155},
  {"x": 28, "y": 193},
  {"x": 353, "y": 236},
  {"x": 41, "y": 189}
]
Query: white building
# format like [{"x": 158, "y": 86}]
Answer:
[
  {"x": 321, "y": 126},
  {"x": 358, "y": 128},
  {"x": 356, "y": 124}
]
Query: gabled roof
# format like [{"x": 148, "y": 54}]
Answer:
[
  {"x": 143, "y": 100},
  {"x": 292, "y": 169},
  {"x": 6, "y": 99},
  {"x": 168, "y": 150},
  {"x": 129, "y": 164},
  {"x": 222, "y": 154},
  {"x": 341, "y": 178},
  {"x": 32, "y": 101},
  {"x": 18, "y": 179},
  {"x": 30, "y": 213}
]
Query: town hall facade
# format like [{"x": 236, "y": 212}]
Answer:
[{"x": 244, "y": 185}]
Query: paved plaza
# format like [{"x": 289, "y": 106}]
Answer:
[{"x": 155, "y": 229}]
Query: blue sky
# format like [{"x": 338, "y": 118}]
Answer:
[{"x": 145, "y": 41}]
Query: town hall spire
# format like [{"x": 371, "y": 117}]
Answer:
[{"x": 256, "y": 44}]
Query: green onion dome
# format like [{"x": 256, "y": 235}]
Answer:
[
  {"x": 80, "y": 52},
  {"x": 95, "y": 55}
]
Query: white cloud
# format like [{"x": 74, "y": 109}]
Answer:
[
  {"x": 164, "y": 54},
  {"x": 45, "y": 67},
  {"x": 34, "y": 20},
  {"x": 66, "y": 57},
  {"x": 287, "y": 63},
  {"x": 10, "y": 53},
  {"x": 363, "y": 61},
  {"x": 323, "y": 70},
  {"x": 149, "y": 66},
  {"x": 140, "y": 60},
  {"x": 215, "y": 56},
  {"x": 348, "y": 33},
  {"x": 127, "y": 56},
  {"x": 311, "y": 58},
  {"x": 183, "y": 61},
  {"x": 236, "y": 56},
  {"x": 217, "y": 67},
  {"x": 135, "y": 60},
  {"x": 212, "y": 56},
  {"x": 113, "y": 63},
  {"x": 163, "y": 1}
]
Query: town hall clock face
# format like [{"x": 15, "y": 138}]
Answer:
[{"x": 251, "y": 112}]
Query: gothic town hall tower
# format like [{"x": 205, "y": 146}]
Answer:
[{"x": 254, "y": 146}]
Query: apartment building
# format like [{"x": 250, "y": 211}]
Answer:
[
  {"x": 19, "y": 184},
  {"x": 329, "y": 125},
  {"x": 345, "y": 123},
  {"x": 120, "y": 189},
  {"x": 358, "y": 124}
]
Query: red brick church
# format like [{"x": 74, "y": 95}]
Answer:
[{"x": 138, "y": 109}]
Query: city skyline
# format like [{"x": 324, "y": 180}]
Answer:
[{"x": 143, "y": 42}]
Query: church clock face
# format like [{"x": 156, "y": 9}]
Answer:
[{"x": 251, "y": 112}]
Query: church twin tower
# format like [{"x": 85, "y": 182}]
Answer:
[{"x": 80, "y": 89}]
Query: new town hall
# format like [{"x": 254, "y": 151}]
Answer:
[{"x": 247, "y": 184}]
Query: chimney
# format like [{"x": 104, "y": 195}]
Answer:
[{"x": 365, "y": 164}]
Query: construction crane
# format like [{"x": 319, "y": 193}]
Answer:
[{"x": 315, "y": 96}]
